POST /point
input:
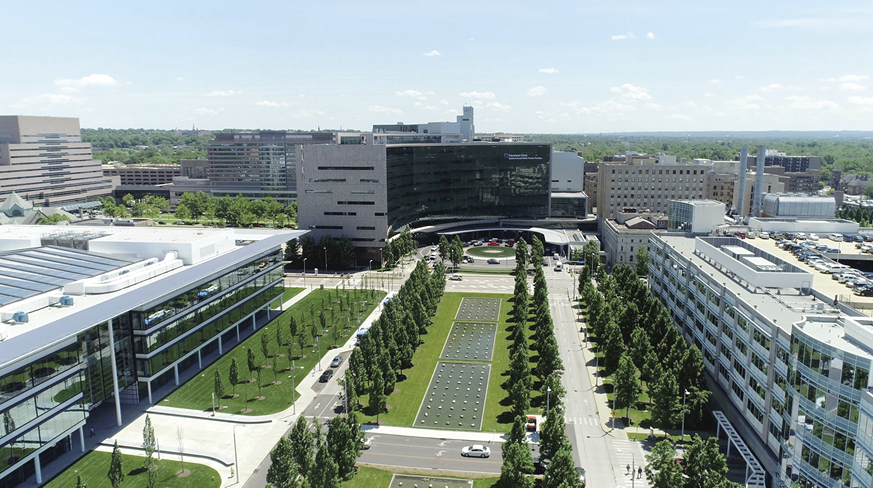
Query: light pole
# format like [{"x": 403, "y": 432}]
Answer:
[
  {"x": 359, "y": 314},
  {"x": 318, "y": 341},
  {"x": 685, "y": 394},
  {"x": 548, "y": 396},
  {"x": 235, "y": 458},
  {"x": 325, "y": 259},
  {"x": 293, "y": 378},
  {"x": 346, "y": 393},
  {"x": 304, "y": 272},
  {"x": 370, "y": 267}
]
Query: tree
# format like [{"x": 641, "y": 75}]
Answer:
[
  {"x": 327, "y": 474},
  {"x": 219, "y": 387},
  {"x": 443, "y": 247},
  {"x": 662, "y": 469},
  {"x": 292, "y": 254},
  {"x": 233, "y": 375},
  {"x": 665, "y": 395},
  {"x": 294, "y": 331},
  {"x": 183, "y": 212},
  {"x": 280, "y": 337},
  {"x": 522, "y": 253},
  {"x": 553, "y": 435},
  {"x": 53, "y": 219},
  {"x": 116, "y": 467},
  {"x": 258, "y": 377},
  {"x": 265, "y": 345},
  {"x": 342, "y": 447},
  {"x": 350, "y": 392},
  {"x": 561, "y": 472},
  {"x": 80, "y": 483},
  {"x": 627, "y": 386},
  {"x": 283, "y": 470},
  {"x": 515, "y": 470},
  {"x": 377, "y": 394},
  {"x": 149, "y": 444},
  {"x": 128, "y": 200},
  {"x": 613, "y": 346},
  {"x": 345, "y": 253},
  {"x": 536, "y": 252},
  {"x": 639, "y": 347},
  {"x": 705, "y": 466},
  {"x": 642, "y": 260},
  {"x": 252, "y": 363},
  {"x": 301, "y": 446}
]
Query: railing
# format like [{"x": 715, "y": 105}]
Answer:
[{"x": 755, "y": 474}]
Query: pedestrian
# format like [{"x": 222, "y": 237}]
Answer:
[
  {"x": 640, "y": 472},
  {"x": 92, "y": 432},
  {"x": 628, "y": 469}
]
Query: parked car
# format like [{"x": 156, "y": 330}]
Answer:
[
  {"x": 813, "y": 237},
  {"x": 864, "y": 291},
  {"x": 493, "y": 243},
  {"x": 476, "y": 450},
  {"x": 326, "y": 376},
  {"x": 835, "y": 237},
  {"x": 764, "y": 235},
  {"x": 477, "y": 243},
  {"x": 859, "y": 238},
  {"x": 868, "y": 237},
  {"x": 336, "y": 362},
  {"x": 455, "y": 277}
]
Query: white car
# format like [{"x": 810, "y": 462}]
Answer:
[
  {"x": 764, "y": 235},
  {"x": 813, "y": 237},
  {"x": 455, "y": 277},
  {"x": 365, "y": 443},
  {"x": 476, "y": 450}
]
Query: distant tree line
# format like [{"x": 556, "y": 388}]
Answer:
[{"x": 164, "y": 147}]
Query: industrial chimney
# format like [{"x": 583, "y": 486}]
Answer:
[
  {"x": 744, "y": 159},
  {"x": 759, "y": 182}
]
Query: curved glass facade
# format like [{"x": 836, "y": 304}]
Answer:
[{"x": 444, "y": 183}]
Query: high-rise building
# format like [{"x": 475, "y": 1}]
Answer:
[
  {"x": 258, "y": 164},
  {"x": 792, "y": 164},
  {"x": 44, "y": 160},
  {"x": 462, "y": 130}
]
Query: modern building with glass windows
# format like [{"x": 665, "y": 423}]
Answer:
[
  {"x": 790, "y": 369},
  {"x": 108, "y": 315}
]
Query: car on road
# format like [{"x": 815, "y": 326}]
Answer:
[
  {"x": 326, "y": 376},
  {"x": 456, "y": 277},
  {"x": 477, "y": 243},
  {"x": 336, "y": 362},
  {"x": 365, "y": 443},
  {"x": 469, "y": 259},
  {"x": 476, "y": 450},
  {"x": 581, "y": 472},
  {"x": 493, "y": 243},
  {"x": 493, "y": 261}
]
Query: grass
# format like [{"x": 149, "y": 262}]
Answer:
[
  {"x": 197, "y": 392},
  {"x": 491, "y": 252},
  {"x": 406, "y": 399},
  {"x": 368, "y": 477},
  {"x": 290, "y": 293},
  {"x": 94, "y": 466}
]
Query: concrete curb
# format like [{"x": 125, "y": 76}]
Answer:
[
  {"x": 218, "y": 417},
  {"x": 196, "y": 453}
]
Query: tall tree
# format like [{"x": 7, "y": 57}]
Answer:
[
  {"x": 667, "y": 406},
  {"x": 327, "y": 474},
  {"x": 80, "y": 483},
  {"x": 457, "y": 251},
  {"x": 116, "y": 467},
  {"x": 293, "y": 331},
  {"x": 252, "y": 362},
  {"x": 377, "y": 394},
  {"x": 517, "y": 466},
  {"x": 613, "y": 346},
  {"x": 283, "y": 470},
  {"x": 639, "y": 347},
  {"x": 443, "y": 247},
  {"x": 302, "y": 446},
  {"x": 553, "y": 435},
  {"x": 705, "y": 466},
  {"x": 149, "y": 445},
  {"x": 561, "y": 472},
  {"x": 218, "y": 387},
  {"x": 662, "y": 470},
  {"x": 233, "y": 375},
  {"x": 627, "y": 386},
  {"x": 265, "y": 345},
  {"x": 342, "y": 447},
  {"x": 642, "y": 261}
]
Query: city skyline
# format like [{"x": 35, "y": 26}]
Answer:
[{"x": 571, "y": 68}]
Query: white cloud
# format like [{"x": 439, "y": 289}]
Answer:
[
  {"x": 51, "y": 99},
  {"x": 541, "y": 115},
  {"x": 68, "y": 89},
  {"x": 808, "y": 103},
  {"x": 223, "y": 93},
  {"x": 679, "y": 117},
  {"x": 650, "y": 35},
  {"x": 688, "y": 104},
  {"x": 714, "y": 81},
  {"x": 772, "y": 87},
  {"x": 179, "y": 78},
  {"x": 621, "y": 37},
  {"x": 548, "y": 71},
  {"x": 499, "y": 106},
  {"x": 537, "y": 91},
  {"x": 853, "y": 78},
  {"x": 653, "y": 106},
  {"x": 90, "y": 80},
  {"x": 384, "y": 110},
  {"x": 709, "y": 95},
  {"x": 308, "y": 113},
  {"x": 852, "y": 87},
  {"x": 453, "y": 111},
  {"x": 432, "y": 53},
  {"x": 207, "y": 111},
  {"x": 610, "y": 108},
  {"x": 417, "y": 104},
  {"x": 861, "y": 100},
  {"x": 428, "y": 107},
  {"x": 413, "y": 93},
  {"x": 631, "y": 92},
  {"x": 479, "y": 95},
  {"x": 747, "y": 102},
  {"x": 444, "y": 101},
  {"x": 267, "y": 103}
]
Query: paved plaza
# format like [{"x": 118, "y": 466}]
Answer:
[
  {"x": 470, "y": 341},
  {"x": 455, "y": 398},
  {"x": 479, "y": 310}
]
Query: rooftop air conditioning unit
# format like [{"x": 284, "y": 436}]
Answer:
[
  {"x": 66, "y": 301},
  {"x": 20, "y": 317}
]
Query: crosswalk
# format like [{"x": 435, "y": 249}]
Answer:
[
  {"x": 628, "y": 454},
  {"x": 589, "y": 420}
]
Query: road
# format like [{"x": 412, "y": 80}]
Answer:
[{"x": 428, "y": 453}]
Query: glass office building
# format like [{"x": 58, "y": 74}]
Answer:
[{"x": 431, "y": 184}]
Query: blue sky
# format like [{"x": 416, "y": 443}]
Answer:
[{"x": 547, "y": 67}]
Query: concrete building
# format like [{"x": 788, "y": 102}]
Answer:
[
  {"x": 789, "y": 370},
  {"x": 196, "y": 169},
  {"x": 143, "y": 174},
  {"x": 694, "y": 216},
  {"x": 623, "y": 236},
  {"x": 568, "y": 170},
  {"x": 648, "y": 182},
  {"x": 462, "y": 130},
  {"x": 498, "y": 137},
  {"x": 258, "y": 164},
  {"x": 771, "y": 184},
  {"x": 792, "y": 164},
  {"x": 105, "y": 315},
  {"x": 798, "y": 205},
  {"x": 721, "y": 188},
  {"x": 44, "y": 160}
]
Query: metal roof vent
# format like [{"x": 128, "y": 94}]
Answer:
[
  {"x": 66, "y": 301},
  {"x": 20, "y": 317}
]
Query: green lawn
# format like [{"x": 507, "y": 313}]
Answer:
[
  {"x": 290, "y": 293},
  {"x": 197, "y": 392},
  {"x": 370, "y": 478},
  {"x": 491, "y": 252},
  {"x": 407, "y": 397},
  {"x": 94, "y": 466}
]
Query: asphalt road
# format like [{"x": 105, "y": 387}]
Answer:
[{"x": 428, "y": 453}]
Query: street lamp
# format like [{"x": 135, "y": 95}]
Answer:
[
  {"x": 325, "y": 259},
  {"x": 235, "y": 458},
  {"x": 318, "y": 341},
  {"x": 369, "y": 266},
  {"x": 293, "y": 378},
  {"x": 685, "y": 394},
  {"x": 548, "y": 395},
  {"x": 304, "y": 272}
]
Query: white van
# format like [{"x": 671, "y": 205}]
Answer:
[
  {"x": 559, "y": 266},
  {"x": 836, "y": 237}
]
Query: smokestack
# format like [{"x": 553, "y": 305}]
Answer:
[
  {"x": 759, "y": 182},
  {"x": 741, "y": 194}
]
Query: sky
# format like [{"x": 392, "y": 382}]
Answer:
[{"x": 526, "y": 67}]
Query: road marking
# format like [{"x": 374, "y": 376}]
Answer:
[
  {"x": 440, "y": 453},
  {"x": 430, "y": 458}
]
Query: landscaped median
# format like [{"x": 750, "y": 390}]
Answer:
[
  {"x": 407, "y": 398},
  {"x": 368, "y": 477},
  {"x": 335, "y": 325},
  {"x": 94, "y": 466}
]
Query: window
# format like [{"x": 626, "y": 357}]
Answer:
[{"x": 365, "y": 228}]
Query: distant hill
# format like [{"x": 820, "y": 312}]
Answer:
[{"x": 773, "y": 134}]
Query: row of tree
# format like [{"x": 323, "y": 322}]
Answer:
[
  {"x": 862, "y": 215},
  {"x": 323, "y": 460},
  {"x": 640, "y": 344},
  {"x": 235, "y": 212},
  {"x": 702, "y": 466},
  {"x": 330, "y": 253},
  {"x": 388, "y": 346},
  {"x": 554, "y": 445}
]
